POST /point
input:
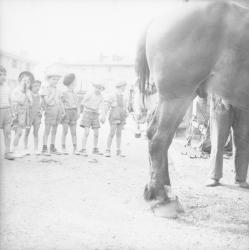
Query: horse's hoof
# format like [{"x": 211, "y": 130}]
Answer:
[
  {"x": 148, "y": 193},
  {"x": 169, "y": 209},
  {"x": 137, "y": 135}
]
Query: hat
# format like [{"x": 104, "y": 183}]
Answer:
[
  {"x": 120, "y": 84},
  {"x": 2, "y": 70},
  {"x": 52, "y": 72},
  {"x": 28, "y": 74},
  {"x": 98, "y": 86},
  {"x": 68, "y": 79}
]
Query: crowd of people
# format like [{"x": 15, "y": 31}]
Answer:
[{"x": 30, "y": 101}]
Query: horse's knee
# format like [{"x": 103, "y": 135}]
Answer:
[
  {"x": 151, "y": 132},
  {"x": 157, "y": 143}
]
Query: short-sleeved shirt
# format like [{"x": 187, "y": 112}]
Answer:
[
  {"x": 36, "y": 104},
  {"x": 113, "y": 100},
  {"x": 4, "y": 96},
  {"x": 69, "y": 99},
  {"x": 52, "y": 96},
  {"x": 92, "y": 102},
  {"x": 18, "y": 97}
]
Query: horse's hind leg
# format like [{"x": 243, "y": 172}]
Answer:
[{"x": 162, "y": 130}]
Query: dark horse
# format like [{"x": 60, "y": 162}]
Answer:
[{"x": 206, "y": 50}]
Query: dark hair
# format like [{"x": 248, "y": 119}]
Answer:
[
  {"x": 2, "y": 70},
  {"x": 68, "y": 79},
  {"x": 28, "y": 74}
]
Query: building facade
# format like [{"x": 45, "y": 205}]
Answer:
[
  {"x": 105, "y": 73},
  {"x": 15, "y": 65}
]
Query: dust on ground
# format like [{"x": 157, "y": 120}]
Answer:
[{"x": 73, "y": 202}]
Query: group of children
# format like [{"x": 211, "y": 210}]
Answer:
[{"x": 24, "y": 107}]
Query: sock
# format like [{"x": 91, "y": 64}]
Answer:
[
  {"x": 52, "y": 146},
  {"x": 44, "y": 147},
  {"x": 63, "y": 146},
  {"x": 74, "y": 146}
]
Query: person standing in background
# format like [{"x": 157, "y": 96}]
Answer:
[
  {"x": 5, "y": 114},
  {"x": 70, "y": 103},
  {"x": 51, "y": 100},
  {"x": 21, "y": 103},
  {"x": 35, "y": 116},
  {"x": 117, "y": 105},
  {"x": 90, "y": 118}
]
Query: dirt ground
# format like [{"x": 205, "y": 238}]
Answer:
[{"x": 71, "y": 202}]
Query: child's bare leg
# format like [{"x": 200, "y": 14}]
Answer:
[
  {"x": 85, "y": 136},
  {"x": 7, "y": 137},
  {"x": 46, "y": 134},
  {"x": 64, "y": 135},
  {"x": 18, "y": 134},
  {"x": 53, "y": 134},
  {"x": 110, "y": 136},
  {"x": 118, "y": 136},
  {"x": 74, "y": 136},
  {"x": 35, "y": 134},
  {"x": 26, "y": 138},
  {"x": 95, "y": 137}
]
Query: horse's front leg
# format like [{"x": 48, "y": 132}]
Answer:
[{"x": 160, "y": 134}]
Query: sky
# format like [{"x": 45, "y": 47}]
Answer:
[{"x": 74, "y": 31}]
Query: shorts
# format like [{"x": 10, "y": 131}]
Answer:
[
  {"x": 117, "y": 116},
  {"x": 90, "y": 119},
  {"x": 35, "y": 119},
  {"x": 5, "y": 117},
  {"x": 53, "y": 115},
  {"x": 70, "y": 117},
  {"x": 20, "y": 121}
]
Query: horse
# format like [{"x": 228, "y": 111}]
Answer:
[{"x": 206, "y": 50}]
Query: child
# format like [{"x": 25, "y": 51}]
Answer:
[
  {"x": 35, "y": 115},
  {"x": 20, "y": 101},
  {"x": 51, "y": 99},
  {"x": 71, "y": 108},
  {"x": 117, "y": 104},
  {"x": 5, "y": 114},
  {"x": 90, "y": 118}
]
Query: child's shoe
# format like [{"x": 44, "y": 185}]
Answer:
[
  {"x": 119, "y": 153},
  {"x": 96, "y": 151},
  {"x": 64, "y": 151},
  {"x": 108, "y": 153},
  {"x": 9, "y": 156},
  {"x": 45, "y": 151},
  {"x": 83, "y": 152},
  {"x": 53, "y": 150},
  {"x": 76, "y": 152}
]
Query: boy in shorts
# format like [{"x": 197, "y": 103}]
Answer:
[
  {"x": 90, "y": 118},
  {"x": 5, "y": 113},
  {"x": 21, "y": 103},
  {"x": 35, "y": 115},
  {"x": 71, "y": 108},
  {"x": 51, "y": 99},
  {"x": 117, "y": 105}
]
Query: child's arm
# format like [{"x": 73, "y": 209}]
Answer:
[
  {"x": 62, "y": 105},
  {"x": 105, "y": 107}
]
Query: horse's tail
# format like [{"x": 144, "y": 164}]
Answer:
[{"x": 141, "y": 65}]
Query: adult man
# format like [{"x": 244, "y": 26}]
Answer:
[{"x": 223, "y": 117}]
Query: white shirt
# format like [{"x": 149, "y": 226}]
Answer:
[{"x": 4, "y": 96}]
